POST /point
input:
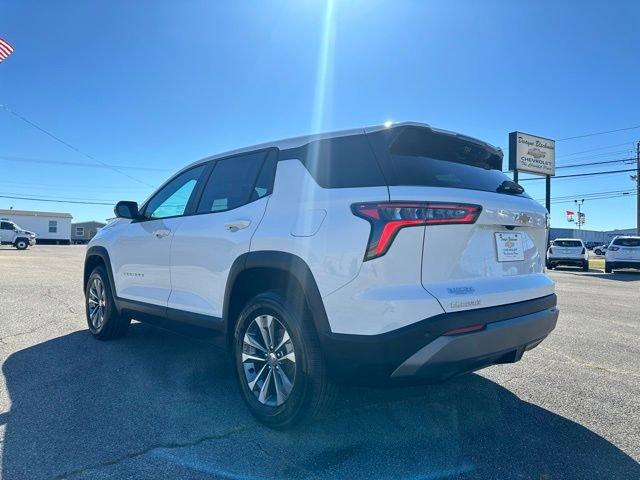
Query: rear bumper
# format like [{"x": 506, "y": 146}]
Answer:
[
  {"x": 424, "y": 351},
  {"x": 623, "y": 263},
  {"x": 577, "y": 261}
]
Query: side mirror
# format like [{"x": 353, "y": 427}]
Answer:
[{"x": 126, "y": 209}]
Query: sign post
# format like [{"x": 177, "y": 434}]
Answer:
[{"x": 531, "y": 154}]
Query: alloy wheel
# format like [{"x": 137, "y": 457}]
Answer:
[
  {"x": 268, "y": 360},
  {"x": 97, "y": 303}
]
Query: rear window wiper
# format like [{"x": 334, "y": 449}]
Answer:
[{"x": 510, "y": 187}]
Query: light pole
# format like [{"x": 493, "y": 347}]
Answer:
[{"x": 579, "y": 204}]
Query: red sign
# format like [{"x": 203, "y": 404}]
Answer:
[{"x": 569, "y": 216}]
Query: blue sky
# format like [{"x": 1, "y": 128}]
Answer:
[{"x": 153, "y": 85}]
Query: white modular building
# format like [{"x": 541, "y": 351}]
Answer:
[{"x": 49, "y": 227}]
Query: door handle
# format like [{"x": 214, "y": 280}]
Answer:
[
  {"x": 237, "y": 225},
  {"x": 161, "y": 233}
]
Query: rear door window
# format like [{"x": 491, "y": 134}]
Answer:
[
  {"x": 236, "y": 181},
  {"x": 627, "y": 242}
]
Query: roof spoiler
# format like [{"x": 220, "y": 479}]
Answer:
[{"x": 491, "y": 148}]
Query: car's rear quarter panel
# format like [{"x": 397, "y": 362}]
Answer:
[{"x": 317, "y": 225}]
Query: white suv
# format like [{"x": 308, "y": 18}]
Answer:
[
  {"x": 623, "y": 252},
  {"x": 568, "y": 251},
  {"x": 376, "y": 254}
]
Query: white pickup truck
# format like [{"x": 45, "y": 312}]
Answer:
[{"x": 12, "y": 234}]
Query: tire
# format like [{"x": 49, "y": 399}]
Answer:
[
  {"x": 103, "y": 319},
  {"x": 549, "y": 266},
  {"x": 585, "y": 266},
  {"x": 271, "y": 399},
  {"x": 21, "y": 244},
  {"x": 607, "y": 268},
  {"x": 597, "y": 252}
]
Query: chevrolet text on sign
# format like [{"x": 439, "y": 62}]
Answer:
[{"x": 528, "y": 153}]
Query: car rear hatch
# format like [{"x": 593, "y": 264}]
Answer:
[
  {"x": 627, "y": 249},
  {"x": 567, "y": 248},
  {"x": 495, "y": 260}
]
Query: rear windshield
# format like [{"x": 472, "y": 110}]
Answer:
[
  {"x": 567, "y": 243},
  {"x": 418, "y": 156},
  {"x": 627, "y": 242}
]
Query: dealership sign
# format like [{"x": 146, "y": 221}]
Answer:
[{"x": 531, "y": 154}]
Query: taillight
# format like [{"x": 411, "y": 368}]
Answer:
[
  {"x": 550, "y": 250},
  {"x": 387, "y": 218},
  {"x": 583, "y": 251},
  {"x": 613, "y": 249}
]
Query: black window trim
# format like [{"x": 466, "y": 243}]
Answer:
[{"x": 210, "y": 171}]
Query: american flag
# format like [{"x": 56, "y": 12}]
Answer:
[{"x": 5, "y": 49}]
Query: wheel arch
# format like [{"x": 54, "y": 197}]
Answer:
[
  {"x": 21, "y": 238},
  {"x": 95, "y": 256},
  {"x": 254, "y": 272}
]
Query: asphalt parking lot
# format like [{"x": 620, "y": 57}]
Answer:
[{"x": 160, "y": 405}]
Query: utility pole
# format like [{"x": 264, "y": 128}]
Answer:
[
  {"x": 547, "y": 196},
  {"x": 579, "y": 204},
  {"x": 638, "y": 189}
]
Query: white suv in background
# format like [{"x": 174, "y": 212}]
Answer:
[
  {"x": 623, "y": 252},
  {"x": 376, "y": 254},
  {"x": 568, "y": 251}
]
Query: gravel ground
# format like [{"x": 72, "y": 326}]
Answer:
[{"x": 159, "y": 405}]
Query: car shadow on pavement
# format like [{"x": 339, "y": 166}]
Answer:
[
  {"x": 619, "y": 275},
  {"x": 157, "y": 405}
]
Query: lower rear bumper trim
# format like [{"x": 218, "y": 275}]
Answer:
[{"x": 451, "y": 353}]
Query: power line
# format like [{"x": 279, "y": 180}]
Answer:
[
  {"x": 592, "y": 195},
  {"x": 580, "y": 174},
  {"x": 600, "y": 197},
  {"x": 79, "y": 164},
  {"x": 597, "y": 133},
  {"x": 585, "y": 195},
  {"x": 607, "y": 197},
  {"x": 603, "y": 155},
  {"x": 56, "y": 196},
  {"x": 587, "y": 164},
  {"x": 68, "y": 145},
  {"x": 594, "y": 149},
  {"x": 592, "y": 135},
  {"x": 603, "y": 162},
  {"x": 70, "y": 187},
  {"x": 54, "y": 201}
]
